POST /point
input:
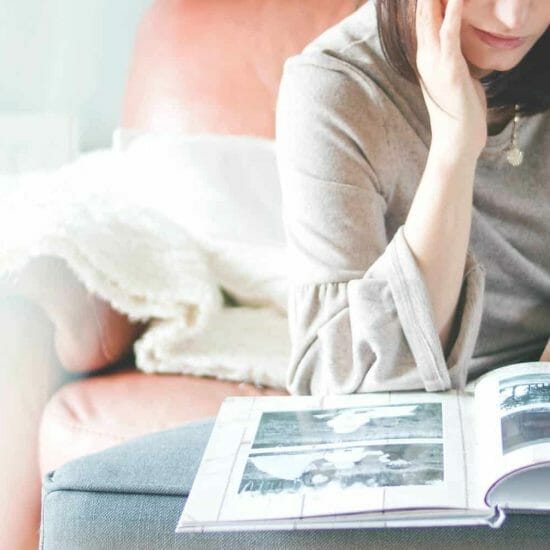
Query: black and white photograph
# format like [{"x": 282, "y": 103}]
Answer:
[
  {"x": 524, "y": 390},
  {"x": 322, "y": 449},
  {"x": 525, "y": 411},
  {"x": 525, "y": 427},
  {"x": 343, "y": 467},
  {"x": 352, "y": 424}
]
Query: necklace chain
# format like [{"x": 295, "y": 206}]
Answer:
[{"x": 514, "y": 154}]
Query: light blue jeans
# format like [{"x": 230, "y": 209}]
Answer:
[{"x": 131, "y": 496}]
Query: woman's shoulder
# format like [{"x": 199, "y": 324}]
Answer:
[
  {"x": 342, "y": 106},
  {"x": 352, "y": 48},
  {"x": 354, "y": 40},
  {"x": 344, "y": 72}
]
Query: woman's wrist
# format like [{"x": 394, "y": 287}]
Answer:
[{"x": 452, "y": 156}]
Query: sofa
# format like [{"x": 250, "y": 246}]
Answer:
[
  {"x": 113, "y": 445},
  {"x": 189, "y": 58}
]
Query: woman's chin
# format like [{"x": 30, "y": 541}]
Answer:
[{"x": 480, "y": 67}]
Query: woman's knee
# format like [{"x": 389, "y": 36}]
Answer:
[
  {"x": 101, "y": 337},
  {"x": 88, "y": 334}
]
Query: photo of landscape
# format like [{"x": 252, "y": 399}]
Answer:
[
  {"x": 366, "y": 465},
  {"x": 525, "y": 411},
  {"x": 323, "y": 449},
  {"x": 290, "y": 428}
]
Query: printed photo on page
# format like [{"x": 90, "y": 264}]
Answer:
[{"x": 525, "y": 411}]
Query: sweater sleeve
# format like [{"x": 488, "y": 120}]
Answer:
[{"x": 360, "y": 317}]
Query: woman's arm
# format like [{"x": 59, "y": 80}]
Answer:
[
  {"x": 437, "y": 231},
  {"x": 359, "y": 314},
  {"x": 437, "y": 228},
  {"x": 361, "y": 311}
]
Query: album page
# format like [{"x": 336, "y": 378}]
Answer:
[
  {"x": 512, "y": 408},
  {"x": 355, "y": 458}
]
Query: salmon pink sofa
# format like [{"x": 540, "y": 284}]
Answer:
[{"x": 198, "y": 66}]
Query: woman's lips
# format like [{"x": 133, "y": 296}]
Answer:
[{"x": 499, "y": 41}]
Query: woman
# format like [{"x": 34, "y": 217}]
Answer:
[{"x": 414, "y": 151}]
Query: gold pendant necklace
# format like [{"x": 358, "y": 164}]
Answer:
[{"x": 514, "y": 154}]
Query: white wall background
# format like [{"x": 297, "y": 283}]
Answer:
[{"x": 70, "y": 57}]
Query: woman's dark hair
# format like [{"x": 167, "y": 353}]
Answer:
[{"x": 527, "y": 84}]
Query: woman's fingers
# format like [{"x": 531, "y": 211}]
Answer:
[
  {"x": 456, "y": 102},
  {"x": 429, "y": 17},
  {"x": 450, "y": 27}
]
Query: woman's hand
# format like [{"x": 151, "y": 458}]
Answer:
[{"x": 456, "y": 101}]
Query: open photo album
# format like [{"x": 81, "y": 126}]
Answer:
[{"x": 391, "y": 459}]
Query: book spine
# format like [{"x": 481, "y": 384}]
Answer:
[{"x": 497, "y": 518}]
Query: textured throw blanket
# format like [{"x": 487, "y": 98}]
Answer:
[{"x": 149, "y": 267}]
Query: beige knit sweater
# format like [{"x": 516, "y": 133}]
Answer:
[{"x": 352, "y": 143}]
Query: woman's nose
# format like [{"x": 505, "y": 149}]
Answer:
[{"x": 512, "y": 13}]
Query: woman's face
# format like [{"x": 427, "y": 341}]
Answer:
[{"x": 497, "y": 34}]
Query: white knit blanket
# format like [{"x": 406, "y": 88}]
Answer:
[{"x": 150, "y": 268}]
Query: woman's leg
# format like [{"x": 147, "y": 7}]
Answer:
[
  {"x": 48, "y": 320},
  {"x": 28, "y": 371}
]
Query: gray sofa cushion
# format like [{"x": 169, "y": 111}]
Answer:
[{"x": 131, "y": 496}]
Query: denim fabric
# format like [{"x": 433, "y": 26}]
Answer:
[{"x": 131, "y": 496}]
